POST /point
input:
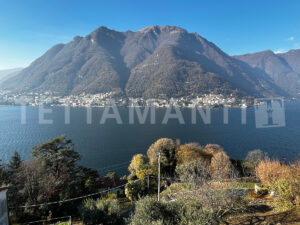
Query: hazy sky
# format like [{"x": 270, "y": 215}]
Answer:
[{"x": 29, "y": 27}]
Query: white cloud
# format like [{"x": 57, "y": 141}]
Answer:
[
  {"x": 279, "y": 51},
  {"x": 292, "y": 38}
]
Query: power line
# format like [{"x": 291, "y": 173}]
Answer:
[
  {"x": 68, "y": 200},
  {"x": 115, "y": 165},
  {"x": 57, "y": 218}
]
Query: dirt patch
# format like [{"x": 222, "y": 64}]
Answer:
[{"x": 266, "y": 217}]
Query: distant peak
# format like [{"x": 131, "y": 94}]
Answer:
[
  {"x": 293, "y": 51},
  {"x": 267, "y": 52},
  {"x": 77, "y": 38},
  {"x": 101, "y": 30},
  {"x": 166, "y": 28}
]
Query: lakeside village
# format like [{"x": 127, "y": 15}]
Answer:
[{"x": 102, "y": 99}]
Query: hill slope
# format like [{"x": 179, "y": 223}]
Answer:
[
  {"x": 155, "y": 61},
  {"x": 6, "y": 74},
  {"x": 284, "y": 68}
]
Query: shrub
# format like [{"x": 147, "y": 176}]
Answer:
[
  {"x": 102, "y": 211},
  {"x": 285, "y": 181},
  {"x": 188, "y": 152},
  {"x": 141, "y": 174},
  {"x": 195, "y": 172},
  {"x": 252, "y": 160},
  {"x": 193, "y": 214},
  {"x": 287, "y": 191},
  {"x": 221, "y": 167},
  {"x": 270, "y": 171},
  {"x": 109, "y": 196},
  {"x": 138, "y": 162},
  {"x": 149, "y": 211},
  {"x": 135, "y": 189}
]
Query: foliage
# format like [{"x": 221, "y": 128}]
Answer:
[
  {"x": 269, "y": 171},
  {"x": 135, "y": 189},
  {"x": 64, "y": 223},
  {"x": 89, "y": 177},
  {"x": 57, "y": 155},
  {"x": 213, "y": 148},
  {"x": 149, "y": 211},
  {"x": 175, "y": 188},
  {"x": 221, "y": 167},
  {"x": 141, "y": 174},
  {"x": 287, "y": 188},
  {"x": 101, "y": 211},
  {"x": 131, "y": 177},
  {"x": 283, "y": 179},
  {"x": 196, "y": 171},
  {"x": 167, "y": 148},
  {"x": 217, "y": 200},
  {"x": 110, "y": 196},
  {"x": 252, "y": 160},
  {"x": 52, "y": 175},
  {"x": 256, "y": 156},
  {"x": 189, "y": 152},
  {"x": 113, "y": 177},
  {"x": 37, "y": 186},
  {"x": 15, "y": 162},
  {"x": 138, "y": 162},
  {"x": 238, "y": 184},
  {"x": 3, "y": 174}
]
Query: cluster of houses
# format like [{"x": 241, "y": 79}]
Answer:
[{"x": 102, "y": 99}]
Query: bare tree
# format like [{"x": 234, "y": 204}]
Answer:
[{"x": 221, "y": 166}]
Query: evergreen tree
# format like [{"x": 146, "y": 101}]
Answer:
[
  {"x": 58, "y": 156},
  {"x": 15, "y": 162},
  {"x": 3, "y": 174}
]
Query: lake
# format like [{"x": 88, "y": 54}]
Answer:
[{"x": 110, "y": 146}]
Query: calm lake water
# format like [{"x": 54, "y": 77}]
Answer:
[{"x": 110, "y": 146}]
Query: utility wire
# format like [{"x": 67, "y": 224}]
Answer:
[
  {"x": 41, "y": 221},
  {"x": 68, "y": 200}
]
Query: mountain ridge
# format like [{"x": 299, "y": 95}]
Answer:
[
  {"x": 8, "y": 73},
  {"x": 282, "y": 68},
  {"x": 154, "y": 61}
]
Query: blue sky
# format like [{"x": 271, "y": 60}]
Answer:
[{"x": 29, "y": 27}]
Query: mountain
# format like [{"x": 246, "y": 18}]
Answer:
[
  {"x": 284, "y": 69},
  {"x": 6, "y": 74},
  {"x": 155, "y": 61}
]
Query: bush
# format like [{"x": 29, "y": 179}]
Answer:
[
  {"x": 271, "y": 171},
  {"x": 138, "y": 162},
  {"x": 286, "y": 184},
  {"x": 136, "y": 189},
  {"x": 109, "y": 196},
  {"x": 195, "y": 172},
  {"x": 189, "y": 152},
  {"x": 149, "y": 211},
  {"x": 287, "y": 191},
  {"x": 221, "y": 166},
  {"x": 141, "y": 174},
  {"x": 102, "y": 211},
  {"x": 194, "y": 214}
]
